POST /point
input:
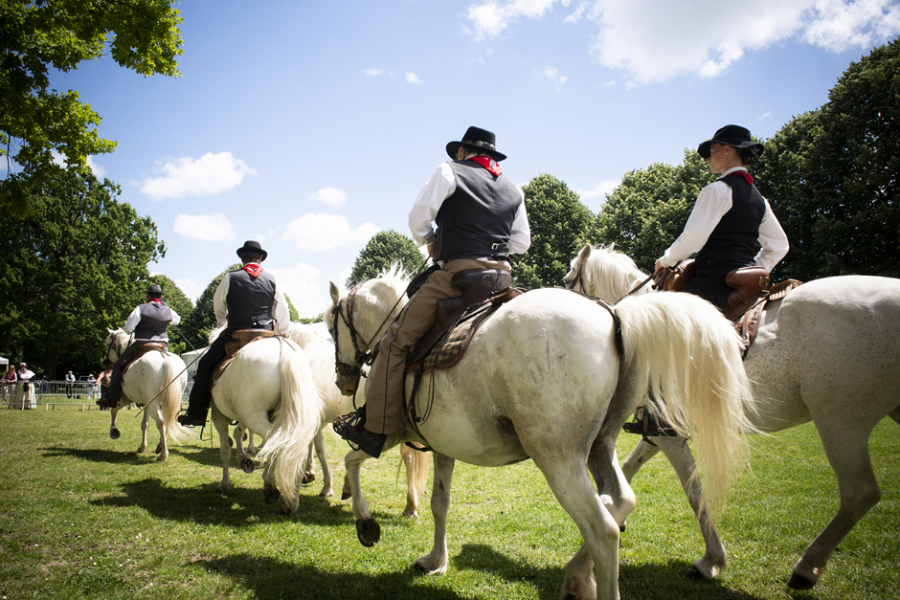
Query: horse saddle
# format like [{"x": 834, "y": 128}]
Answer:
[
  {"x": 239, "y": 339},
  {"x": 672, "y": 279},
  {"x": 748, "y": 326},
  {"x": 142, "y": 348},
  {"x": 457, "y": 319}
]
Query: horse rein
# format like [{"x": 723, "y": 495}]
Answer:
[
  {"x": 109, "y": 348},
  {"x": 579, "y": 280},
  {"x": 362, "y": 357}
]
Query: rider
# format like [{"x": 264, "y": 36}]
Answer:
[
  {"x": 481, "y": 220},
  {"x": 149, "y": 323},
  {"x": 248, "y": 298},
  {"x": 729, "y": 217}
]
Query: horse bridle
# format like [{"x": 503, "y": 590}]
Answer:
[
  {"x": 113, "y": 337},
  {"x": 579, "y": 280},
  {"x": 363, "y": 356}
]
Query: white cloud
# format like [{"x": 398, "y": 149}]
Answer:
[
  {"x": 765, "y": 116},
  {"x": 190, "y": 288},
  {"x": 373, "y": 72},
  {"x": 412, "y": 78},
  {"x": 210, "y": 174},
  {"x": 61, "y": 160},
  {"x": 330, "y": 196},
  {"x": 207, "y": 228},
  {"x": 552, "y": 73},
  {"x": 320, "y": 232},
  {"x": 652, "y": 41},
  {"x": 603, "y": 188},
  {"x": 300, "y": 284}
]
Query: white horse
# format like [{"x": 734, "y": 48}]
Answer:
[
  {"x": 828, "y": 353},
  {"x": 543, "y": 379},
  {"x": 267, "y": 376},
  {"x": 320, "y": 353},
  {"x": 154, "y": 381}
]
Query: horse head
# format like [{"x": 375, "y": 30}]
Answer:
[
  {"x": 603, "y": 273},
  {"x": 116, "y": 342}
]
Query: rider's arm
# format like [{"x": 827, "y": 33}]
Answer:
[
  {"x": 220, "y": 307},
  {"x": 132, "y": 321},
  {"x": 520, "y": 234},
  {"x": 712, "y": 203},
  {"x": 175, "y": 318},
  {"x": 280, "y": 312},
  {"x": 439, "y": 187},
  {"x": 773, "y": 240}
]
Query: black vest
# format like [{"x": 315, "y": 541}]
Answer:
[
  {"x": 477, "y": 219},
  {"x": 734, "y": 239},
  {"x": 155, "y": 318},
  {"x": 250, "y": 300}
]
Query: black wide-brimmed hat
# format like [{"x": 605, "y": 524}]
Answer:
[
  {"x": 154, "y": 290},
  {"x": 477, "y": 139},
  {"x": 254, "y": 247},
  {"x": 733, "y": 135}
]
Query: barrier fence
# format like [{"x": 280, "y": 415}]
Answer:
[{"x": 50, "y": 394}]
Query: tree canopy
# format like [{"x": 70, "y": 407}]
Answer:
[
  {"x": 560, "y": 225},
  {"x": 72, "y": 268},
  {"x": 141, "y": 35},
  {"x": 202, "y": 319},
  {"x": 384, "y": 249}
]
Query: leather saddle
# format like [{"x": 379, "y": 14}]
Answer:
[
  {"x": 239, "y": 339},
  {"x": 142, "y": 348}
]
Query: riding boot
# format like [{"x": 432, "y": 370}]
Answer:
[
  {"x": 201, "y": 395},
  {"x": 351, "y": 427}
]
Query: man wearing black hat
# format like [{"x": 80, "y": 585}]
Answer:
[
  {"x": 481, "y": 221},
  {"x": 148, "y": 322},
  {"x": 729, "y": 219},
  {"x": 248, "y": 298}
]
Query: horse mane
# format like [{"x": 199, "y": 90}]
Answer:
[
  {"x": 611, "y": 274},
  {"x": 215, "y": 333},
  {"x": 395, "y": 277}
]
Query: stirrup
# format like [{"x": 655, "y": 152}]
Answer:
[
  {"x": 355, "y": 419},
  {"x": 646, "y": 425}
]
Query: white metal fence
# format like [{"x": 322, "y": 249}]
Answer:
[{"x": 50, "y": 394}]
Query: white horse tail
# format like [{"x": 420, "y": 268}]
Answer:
[
  {"x": 689, "y": 354},
  {"x": 298, "y": 419},
  {"x": 170, "y": 400},
  {"x": 417, "y": 465}
]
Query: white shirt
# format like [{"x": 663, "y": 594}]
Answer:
[
  {"x": 280, "y": 312},
  {"x": 26, "y": 374},
  {"x": 135, "y": 317},
  {"x": 713, "y": 202},
  {"x": 440, "y": 186}
]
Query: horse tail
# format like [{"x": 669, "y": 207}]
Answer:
[
  {"x": 417, "y": 464},
  {"x": 170, "y": 399},
  {"x": 688, "y": 354},
  {"x": 298, "y": 419}
]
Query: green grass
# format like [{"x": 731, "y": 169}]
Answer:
[{"x": 83, "y": 516}]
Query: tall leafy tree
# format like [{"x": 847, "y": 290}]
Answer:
[
  {"x": 202, "y": 319},
  {"x": 141, "y": 35},
  {"x": 384, "y": 249},
  {"x": 835, "y": 174},
  {"x": 70, "y": 269},
  {"x": 176, "y": 299},
  {"x": 649, "y": 208},
  {"x": 560, "y": 225}
]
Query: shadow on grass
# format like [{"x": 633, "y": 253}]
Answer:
[
  {"x": 103, "y": 456},
  {"x": 272, "y": 579},
  {"x": 644, "y": 582},
  {"x": 239, "y": 507}
]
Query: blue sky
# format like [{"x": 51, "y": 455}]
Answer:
[{"x": 309, "y": 126}]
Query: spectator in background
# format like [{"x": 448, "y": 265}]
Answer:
[
  {"x": 103, "y": 380},
  {"x": 70, "y": 385},
  {"x": 92, "y": 385},
  {"x": 9, "y": 381}
]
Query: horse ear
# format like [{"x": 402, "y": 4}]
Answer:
[
  {"x": 335, "y": 292},
  {"x": 585, "y": 252},
  {"x": 109, "y": 330}
]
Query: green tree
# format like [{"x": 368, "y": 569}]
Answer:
[
  {"x": 176, "y": 299},
  {"x": 141, "y": 35},
  {"x": 295, "y": 316},
  {"x": 71, "y": 268},
  {"x": 649, "y": 208},
  {"x": 384, "y": 249},
  {"x": 833, "y": 175},
  {"x": 202, "y": 319},
  {"x": 560, "y": 225}
]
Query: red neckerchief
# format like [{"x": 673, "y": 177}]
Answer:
[
  {"x": 156, "y": 300},
  {"x": 253, "y": 268},
  {"x": 488, "y": 163},
  {"x": 743, "y": 174}
]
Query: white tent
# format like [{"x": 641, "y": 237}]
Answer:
[
  {"x": 4, "y": 362},
  {"x": 190, "y": 359}
]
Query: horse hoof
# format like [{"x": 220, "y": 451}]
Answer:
[
  {"x": 248, "y": 465},
  {"x": 800, "y": 582},
  {"x": 230, "y": 443},
  {"x": 622, "y": 528},
  {"x": 158, "y": 448},
  {"x": 115, "y": 434},
  {"x": 271, "y": 495},
  {"x": 693, "y": 573},
  {"x": 308, "y": 478},
  {"x": 346, "y": 495},
  {"x": 368, "y": 531}
]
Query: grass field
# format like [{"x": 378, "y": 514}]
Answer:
[{"x": 83, "y": 516}]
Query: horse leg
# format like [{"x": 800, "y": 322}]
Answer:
[
  {"x": 221, "y": 424},
  {"x": 162, "y": 449},
  {"x": 322, "y": 455},
  {"x": 615, "y": 493},
  {"x": 114, "y": 432},
  {"x": 895, "y": 414},
  {"x": 847, "y": 451},
  {"x": 367, "y": 529},
  {"x": 571, "y": 484},
  {"x": 145, "y": 425},
  {"x": 309, "y": 467},
  {"x": 246, "y": 462},
  {"x": 642, "y": 453},
  {"x": 714, "y": 560},
  {"x": 416, "y": 475},
  {"x": 435, "y": 563}
]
